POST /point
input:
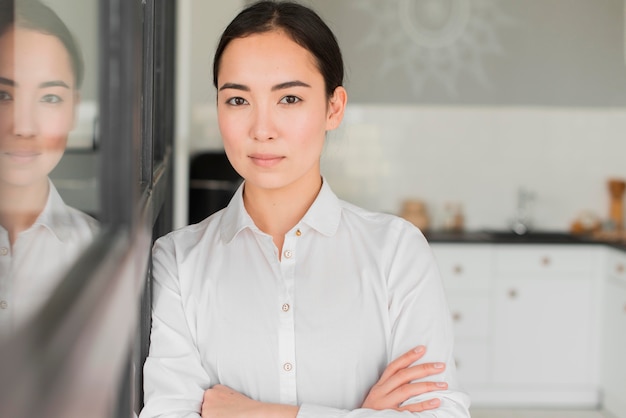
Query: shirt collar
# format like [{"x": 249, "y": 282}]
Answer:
[
  {"x": 323, "y": 215},
  {"x": 325, "y": 212}
]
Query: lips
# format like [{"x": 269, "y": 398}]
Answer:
[
  {"x": 22, "y": 156},
  {"x": 266, "y": 160}
]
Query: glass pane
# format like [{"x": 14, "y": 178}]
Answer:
[{"x": 48, "y": 148}]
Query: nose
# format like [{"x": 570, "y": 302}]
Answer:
[
  {"x": 263, "y": 124},
  {"x": 24, "y": 119}
]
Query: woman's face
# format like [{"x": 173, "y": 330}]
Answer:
[
  {"x": 273, "y": 111},
  {"x": 37, "y": 102}
]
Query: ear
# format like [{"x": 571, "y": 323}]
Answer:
[{"x": 336, "y": 108}]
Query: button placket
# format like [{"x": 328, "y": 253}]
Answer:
[{"x": 287, "y": 349}]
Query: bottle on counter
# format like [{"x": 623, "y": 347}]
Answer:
[
  {"x": 616, "y": 212},
  {"x": 453, "y": 217}
]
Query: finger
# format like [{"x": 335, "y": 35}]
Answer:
[
  {"x": 405, "y": 392},
  {"x": 419, "y": 371},
  {"x": 402, "y": 362},
  {"x": 422, "y": 406},
  {"x": 410, "y": 390},
  {"x": 409, "y": 374}
]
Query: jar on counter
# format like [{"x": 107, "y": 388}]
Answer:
[{"x": 415, "y": 211}]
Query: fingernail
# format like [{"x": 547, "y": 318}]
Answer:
[
  {"x": 433, "y": 402},
  {"x": 419, "y": 349},
  {"x": 441, "y": 384},
  {"x": 439, "y": 365}
]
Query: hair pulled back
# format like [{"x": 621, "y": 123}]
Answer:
[
  {"x": 34, "y": 15},
  {"x": 300, "y": 23}
]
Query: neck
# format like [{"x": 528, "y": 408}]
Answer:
[
  {"x": 276, "y": 211},
  {"x": 20, "y": 206}
]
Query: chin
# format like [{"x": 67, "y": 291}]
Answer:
[{"x": 23, "y": 179}]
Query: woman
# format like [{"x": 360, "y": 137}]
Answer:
[
  {"x": 40, "y": 75},
  {"x": 291, "y": 302}
]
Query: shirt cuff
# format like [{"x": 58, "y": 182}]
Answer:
[{"x": 317, "y": 411}]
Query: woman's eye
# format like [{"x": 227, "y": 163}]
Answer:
[
  {"x": 5, "y": 96},
  {"x": 237, "y": 101},
  {"x": 290, "y": 100},
  {"x": 51, "y": 98}
]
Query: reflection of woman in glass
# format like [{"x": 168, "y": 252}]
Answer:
[{"x": 41, "y": 71}]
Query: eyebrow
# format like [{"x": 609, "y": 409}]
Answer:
[
  {"x": 7, "y": 82},
  {"x": 46, "y": 84},
  {"x": 288, "y": 84},
  {"x": 281, "y": 86},
  {"x": 55, "y": 83}
]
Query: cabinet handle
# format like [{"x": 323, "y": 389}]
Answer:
[
  {"x": 619, "y": 268},
  {"x": 458, "y": 269},
  {"x": 457, "y": 317},
  {"x": 512, "y": 294},
  {"x": 545, "y": 261}
]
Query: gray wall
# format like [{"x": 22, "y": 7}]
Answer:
[{"x": 500, "y": 52}]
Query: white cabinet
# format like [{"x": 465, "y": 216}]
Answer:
[
  {"x": 526, "y": 321},
  {"x": 542, "y": 331},
  {"x": 614, "y": 336},
  {"x": 466, "y": 275},
  {"x": 544, "y": 336}
]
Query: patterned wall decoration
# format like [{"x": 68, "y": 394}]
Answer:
[{"x": 435, "y": 40}]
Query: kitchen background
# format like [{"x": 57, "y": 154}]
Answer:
[{"x": 456, "y": 101}]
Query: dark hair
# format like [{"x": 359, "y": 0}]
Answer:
[
  {"x": 300, "y": 23},
  {"x": 34, "y": 15}
]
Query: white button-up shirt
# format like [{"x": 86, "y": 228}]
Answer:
[
  {"x": 33, "y": 267},
  {"x": 353, "y": 291}
]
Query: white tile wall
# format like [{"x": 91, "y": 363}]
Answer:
[{"x": 480, "y": 157}]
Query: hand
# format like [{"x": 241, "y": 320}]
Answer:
[
  {"x": 223, "y": 402},
  {"x": 394, "y": 386}
]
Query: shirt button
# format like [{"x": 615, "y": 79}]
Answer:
[
  {"x": 4, "y": 251},
  {"x": 4, "y": 304},
  {"x": 287, "y": 367},
  {"x": 285, "y": 307},
  {"x": 298, "y": 233},
  {"x": 288, "y": 253}
]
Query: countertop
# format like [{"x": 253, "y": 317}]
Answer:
[{"x": 508, "y": 237}]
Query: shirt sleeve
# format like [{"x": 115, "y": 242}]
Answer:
[
  {"x": 418, "y": 315},
  {"x": 174, "y": 378}
]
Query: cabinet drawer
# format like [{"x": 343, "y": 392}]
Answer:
[
  {"x": 470, "y": 315},
  {"x": 538, "y": 259},
  {"x": 464, "y": 266},
  {"x": 472, "y": 362},
  {"x": 617, "y": 265},
  {"x": 613, "y": 363}
]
